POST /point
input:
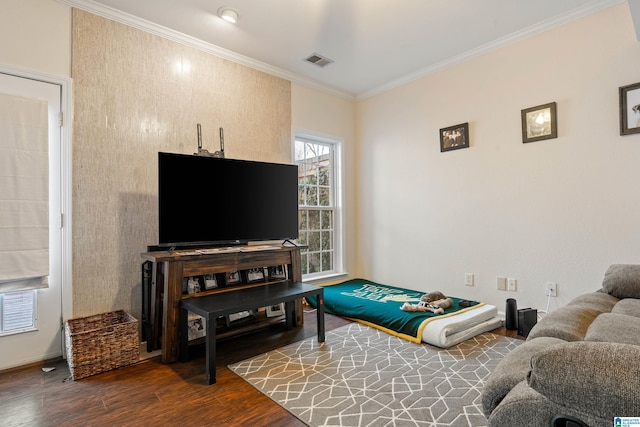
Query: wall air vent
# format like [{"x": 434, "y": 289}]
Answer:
[{"x": 318, "y": 60}]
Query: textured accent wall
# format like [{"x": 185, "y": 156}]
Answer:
[{"x": 136, "y": 94}]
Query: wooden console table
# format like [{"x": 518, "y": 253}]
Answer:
[
  {"x": 169, "y": 269},
  {"x": 213, "y": 306}
]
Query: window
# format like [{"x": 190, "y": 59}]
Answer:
[
  {"x": 318, "y": 202},
  {"x": 17, "y": 312}
]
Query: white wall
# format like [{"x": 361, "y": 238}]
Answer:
[
  {"x": 325, "y": 115},
  {"x": 558, "y": 210},
  {"x": 36, "y": 35}
]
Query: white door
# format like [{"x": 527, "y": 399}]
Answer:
[{"x": 46, "y": 340}]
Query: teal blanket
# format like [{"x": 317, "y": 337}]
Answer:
[{"x": 379, "y": 306}]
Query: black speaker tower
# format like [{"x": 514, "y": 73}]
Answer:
[{"x": 511, "y": 315}]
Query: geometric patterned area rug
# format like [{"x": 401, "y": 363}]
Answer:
[{"x": 365, "y": 377}]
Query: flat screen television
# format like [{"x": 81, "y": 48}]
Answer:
[{"x": 214, "y": 201}]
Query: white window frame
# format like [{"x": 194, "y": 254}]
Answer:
[{"x": 336, "y": 180}]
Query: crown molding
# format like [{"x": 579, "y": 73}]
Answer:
[
  {"x": 178, "y": 37},
  {"x": 184, "y": 39},
  {"x": 593, "y": 7}
]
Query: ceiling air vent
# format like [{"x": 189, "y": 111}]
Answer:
[{"x": 318, "y": 60}]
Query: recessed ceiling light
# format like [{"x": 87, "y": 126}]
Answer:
[{"x": 228, "y": 14}]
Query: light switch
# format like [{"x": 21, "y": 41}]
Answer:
[{"x": 468, "y": 279}]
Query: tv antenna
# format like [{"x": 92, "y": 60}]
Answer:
[{"x": 204, "y": 151}]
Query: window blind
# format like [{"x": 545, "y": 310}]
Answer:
[{"x": 24, "y": 193}]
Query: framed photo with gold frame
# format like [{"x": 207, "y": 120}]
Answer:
[
  {"x": 539, "y": 123},
  {"x": 629, "y": 109}
]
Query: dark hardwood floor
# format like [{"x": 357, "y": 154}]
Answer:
[{"x": 152, "y": 394}]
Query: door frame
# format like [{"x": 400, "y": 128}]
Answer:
[{"x": 66, "y": 107}]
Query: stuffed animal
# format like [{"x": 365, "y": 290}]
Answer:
[{"x": 435, "y": 302}]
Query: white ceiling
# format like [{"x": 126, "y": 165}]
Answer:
[{"x": 376, "y": 44}]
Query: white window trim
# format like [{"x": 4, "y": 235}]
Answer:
[
  {"x": 337, "y": 182},
  {"x": 66, "y": 84}
]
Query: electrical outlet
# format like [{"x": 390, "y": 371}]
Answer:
[
  {"x": 501, "y": 283},
  {"x": 552, "y": 289},
  {"x": 512, "y": 284},
  {"x": 468, "y": 279}
]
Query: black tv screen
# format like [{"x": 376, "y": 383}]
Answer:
[{"x": 210, "y": 200}]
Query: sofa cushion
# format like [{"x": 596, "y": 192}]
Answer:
[
  {"x": 569, "y": 323},
  {"x": 628, "y": 306},
  {"x": 598, "y": 301},
  {"x": 613, "y": 327},
  {"x": 602, "y": 379},
  {"x": 622, "y": 280},
  {"x": 511, "y": 370},
  {"x": 524, "y": 406}
]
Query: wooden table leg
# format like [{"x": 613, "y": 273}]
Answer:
[
  {"x": 211, "y": 348},
  {"x": 320, "y": 314},
  {"x": 289, "y": 315}
]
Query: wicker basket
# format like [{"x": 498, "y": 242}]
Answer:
[{"x": 101, "y": 343}]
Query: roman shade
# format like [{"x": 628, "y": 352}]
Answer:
[{"x": 24, "y": 193}]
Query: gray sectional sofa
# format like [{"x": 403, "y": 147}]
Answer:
[{"x": 580, "y": 362}]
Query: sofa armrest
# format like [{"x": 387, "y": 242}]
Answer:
[
  {"x": 511, "y": 370},
  {"x": 601, "y": 379},
  {"x": 622, "y": 280}
]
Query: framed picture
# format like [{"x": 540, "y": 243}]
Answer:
[
  {"x": 539, "y": 123},
  {"x": 277, "y": 272},
  {"x": 255, "y": 275},
  {"x": 197, "y": 327},
  {"x": 210, "y": 281},
  {"x": 630, "y": 109},
  {"x": 275, "y": 310},
  {"x": 193, "y": 285},
  {"x": 240, "y": 317},
  {"x": 232, "y": 278},
  {"x": 454, "y": 137}
]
